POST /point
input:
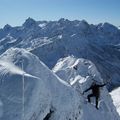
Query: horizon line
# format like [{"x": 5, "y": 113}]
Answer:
[{"x": 53, "y": 20}]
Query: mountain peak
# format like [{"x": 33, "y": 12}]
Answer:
[
  {"x": 62, "y": 20},
  {"x": 29, "y": 23},
  {"x": 107, "y": 27},
  {"x": 7, "y": 27}
]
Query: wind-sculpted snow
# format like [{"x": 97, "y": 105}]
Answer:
[
  {"x": 44, "y": 91},
  {"x": 11, "y": 90},
  {"x": 69, "y": 65},
  {"x": 7, "y": 67}
]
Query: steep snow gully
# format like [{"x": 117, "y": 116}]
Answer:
[{"x": 49, "y": 95}]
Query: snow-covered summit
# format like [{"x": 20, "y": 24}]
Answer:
[
  {"x": 7, "y": 27},
  {"x": 29, "y": 23},
  {"x": 108, "y": 28},
  {"x": 63, "y": 21},
  {"x": 80, "y": 74},
  {"x": 69, "y": 68},
  {"x": 43, "y": 95},
  {"x": 44, "y": 92}
]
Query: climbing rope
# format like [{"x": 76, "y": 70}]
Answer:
[{"x": 23, "y": 95}]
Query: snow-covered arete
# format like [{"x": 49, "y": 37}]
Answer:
[
  {"x": 46, "y": 96},
  {"x": 44, "y": 91},
  {"x": 79, "y": 73}
]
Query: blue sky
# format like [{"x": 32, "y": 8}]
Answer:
[{"x": 14, "y": 12}]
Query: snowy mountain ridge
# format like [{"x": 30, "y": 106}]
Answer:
[
  {"x": 32, "y": 29},
  {"x": 79, "y": 73},
  {"x": 40, "y": 95},
  {"x": 46, "y": 96},
  {"x": 58, "y": 39}
]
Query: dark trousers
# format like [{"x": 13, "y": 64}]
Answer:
[{"x": 92, "y": 95}]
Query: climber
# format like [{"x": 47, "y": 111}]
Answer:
[
  {"x": 75, "y": 67},
  {"x": 95, "y": 92}
]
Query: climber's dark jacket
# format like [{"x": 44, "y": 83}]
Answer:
[{"x": 95, "y": 89}]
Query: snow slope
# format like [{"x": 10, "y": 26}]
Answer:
[
  {"x": 46, "y": 96},
  {"x": 66, "y": 69},
  {"x": 79, "y": 74},
  {"x": 115, "y": 94},
  {"x": 44, "y": 91},
  {"x": 11, "y": 89}
]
